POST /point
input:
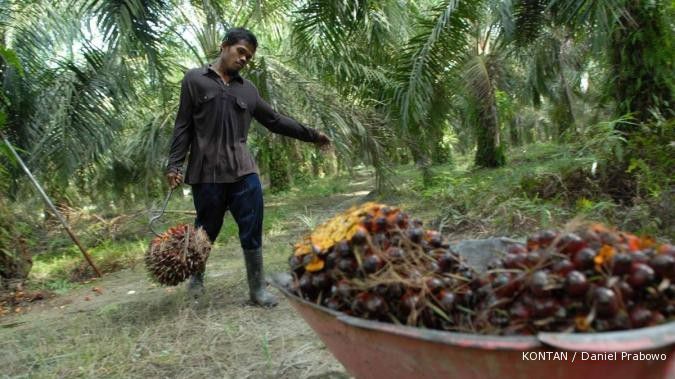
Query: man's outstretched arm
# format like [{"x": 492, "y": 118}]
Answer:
[{"x": 280, "y": 124}]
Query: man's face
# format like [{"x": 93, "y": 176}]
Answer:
[{"x": 235, "y": 57}]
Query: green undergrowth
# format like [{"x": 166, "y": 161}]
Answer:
[{"x": 543, "y": 185}]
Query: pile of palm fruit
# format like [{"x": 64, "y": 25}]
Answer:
[
  {"x": 373, "y": 261},
  {"x": 177, "y": 253}
]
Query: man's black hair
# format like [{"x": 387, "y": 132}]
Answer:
[{"x": 235, "y": 35}]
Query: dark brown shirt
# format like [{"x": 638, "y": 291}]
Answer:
[{"x": 213, "y": 122}]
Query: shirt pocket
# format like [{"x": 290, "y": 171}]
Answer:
[
  {"x": 242, "y": 117},
  {"x": 206, "y": 97}
]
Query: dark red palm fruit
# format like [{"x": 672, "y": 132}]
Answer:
[
  {"x": 516, "y": 248},
  {"x": 372, "y": 263},
  {"x": 640, "y": 257},
  {"x": 584, "y": 259},
  {"x": 343, "y": 249},
  {"x": 379, "y": 240},
  {"x": 533, "y": 258},
  {"x": 621, "y": 263},
  {"x": 667, "y": 249},
  {"x": 347, "y": 265},
  {"x": 627, "y": 292},
  {"x": 640, "y": 316},
  {"x": 591, "y": 237},
  {"x": 415, "y": 235},
  {"x": 380, "y": 224},
  {"x": 499, "y": 319},
  {"x": 447, "y": 261},
  {"x": 395, "y": 254},
  {"x": 520, "y": 311},
  {"x": 342, "y": 290},
  {"x": 434, "y": 267},
  {"x": 434, "y": 238},
  {"x": 296, "y": 265},
  {"x": 669, "y": 310},
  {"x": 657, "y": 318},
  {"x": 532, "y": 242},
  {"x": 446, "y": 300},
  {"x": 669, "y": 292},
  {"x": 410, "y": 301},
  {"x": 544, "y": 307},
  {"x": 434, "y": 285},
  {"x": 449, "y": 282},
  {"x": 538, "y": 283},
  {"x": 401, "y": 221},
  {"x": 307, "y": 259},
  {"x": 478, "y": 282},
  {"x": 641, "y": 275},
  {"x": 360, "y": 237},
  {"x": 380, "y": 290},
  {"x": 306, "y": 285},
  {"x": 620, "y": 322},
  {"x": 570, "y": 244},
  {"x": 330, "y": 260},
  {"x": 466, "y": 272},
  {"x": 514, "y": 261},
  {"x": 333, "y": 304},
  {"x": 368, "y": 223},
  {"x": 562, "y": 267},
  {"x": 546, "y": 237},
  {"x": 663, "y": 265},
  {"x": 375, "y": 305},
  {"x": 576, "y": 284},
  {"x": 321, "y": 281},
  {"x": 605, "y": 300},
  {"x": 359, "y": 303},
  {"x": 506, "y": 284},
  {"x": 395, "y": 291}
]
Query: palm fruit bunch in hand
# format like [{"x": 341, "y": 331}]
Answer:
[
  {"x": 177, "y": 253},
  {"x": 374, "y": 262}
]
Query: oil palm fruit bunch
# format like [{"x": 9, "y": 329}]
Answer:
[
  {"x": 375, "y": 262},
  {"x": 177, "y": 253},
  {"x": 591, "y": 279}
]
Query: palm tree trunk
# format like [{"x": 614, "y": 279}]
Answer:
[
  {"x": 639, "y": 65},
  {"x": 563, "y": 114},
  {"x": 488, "y": 151},
  {"x": 279, "y": 166}
]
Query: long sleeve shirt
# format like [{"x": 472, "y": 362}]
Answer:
[{"x": 213, "y": 121}]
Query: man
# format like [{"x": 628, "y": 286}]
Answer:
[{"x": 214, "y": 116}]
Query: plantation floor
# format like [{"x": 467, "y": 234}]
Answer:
[{"x": 124, "y": 326}]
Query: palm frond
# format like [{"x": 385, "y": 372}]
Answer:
[
  {"x": 131, "y": 26},
  {"x": 529, "y": 18},
  {"x": 429, "y": 54}
]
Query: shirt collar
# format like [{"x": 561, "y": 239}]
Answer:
[{"x": 208, "y": 68}]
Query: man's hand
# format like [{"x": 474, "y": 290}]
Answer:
[
  {"x": 322, "y": 142},
  {"x": 174, "y": 178}
]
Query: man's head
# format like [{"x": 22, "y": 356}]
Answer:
[{"x": 237, "y": 49}]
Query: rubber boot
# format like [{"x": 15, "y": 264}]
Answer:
[
  {"x": 196, "y": 285},
  {"x": 256, "y": 280}
]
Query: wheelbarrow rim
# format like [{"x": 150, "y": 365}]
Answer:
[{"x": 642, "y": 339}]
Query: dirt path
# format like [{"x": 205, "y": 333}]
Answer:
[{"x": 124, "y": 326}]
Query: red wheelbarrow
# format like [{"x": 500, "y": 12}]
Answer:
[{"x": 371, "y": 349}]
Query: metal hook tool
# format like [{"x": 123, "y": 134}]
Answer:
[{"x": 161, "y": 213}]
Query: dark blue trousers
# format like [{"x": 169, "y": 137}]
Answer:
[{"x": 243, "y": 199}]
